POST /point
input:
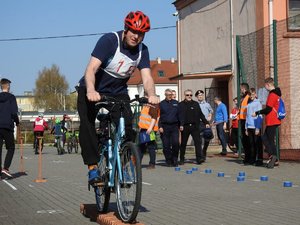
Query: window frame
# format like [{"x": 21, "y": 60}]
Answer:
[
  {"x": 159, "y": 72},
  {"x": 290, "y": 31}
]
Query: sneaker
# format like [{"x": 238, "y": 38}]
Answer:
[
  {"x": 6, "y": 173},
  {"x": 200, "y": 161},
  {"x": 259, "y": 163},
  {"x": 94, "y": 176},
  {"x": 271, "y": 162},
  {"x": 181, "y": 162},
  {"x": 150, "y": 167}
]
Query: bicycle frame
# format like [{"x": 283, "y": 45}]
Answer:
[{"x": 114, "y": 160}]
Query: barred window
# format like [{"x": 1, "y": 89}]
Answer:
[
  {"x": 161, "y": 73},
  {"x": 293, "y": 15}
]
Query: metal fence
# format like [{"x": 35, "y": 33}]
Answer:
[{"x": 271, "y": 51}]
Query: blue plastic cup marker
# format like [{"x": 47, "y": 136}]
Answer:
[
  {"x": 264, "y": 178},
  {"x": 242, "y": 174},
  {"x": 189, "y": 172},
  {"x": 177, "y": 168},
  {"x": 221, "y": 174},
  {"x": 207, "y": 170},
  {"x": 287, "y": 184},
  {"x": 195, "y": 169},
  {"x": 240, "y": 178}
]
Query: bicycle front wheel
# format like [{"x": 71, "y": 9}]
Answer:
[
  {"x": 129, "y": 190},
  {"x": 69, "y": 146}
]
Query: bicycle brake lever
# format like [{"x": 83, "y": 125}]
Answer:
[{"x": 143, "y": 100}]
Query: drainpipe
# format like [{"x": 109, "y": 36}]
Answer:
[
  {"x": 232, "y": 37},
  {"x": 178, "y": 51},
  {"x": 271, "y": 38}
]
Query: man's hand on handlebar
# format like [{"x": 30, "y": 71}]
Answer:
[
  {"x": 93, "y": 96},
  {"x": 153, "y": 99}
]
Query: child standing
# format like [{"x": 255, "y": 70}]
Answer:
[
  {"x": 148, "y": 124},
  {"x": 253, "y": 131}
]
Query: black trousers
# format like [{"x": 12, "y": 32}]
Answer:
[
  {"x": 204, "y": 141},
  {"x": 268, "y": 139},
  {"x": 170, "y": 141},
  {"x": 256, "y": 152},
  {"x": 194, "y": 130},
  {"x": 245, "y": 139},
  {"x": 38, "y": 134},
  {"x": 87, "y": 131},
  {"x": 234, "y": 137},
  {"x": 7, "y": 136}
]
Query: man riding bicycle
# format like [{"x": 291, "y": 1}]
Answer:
[
  {"x": 113, "y": 60},
  {"x": 39, "y": 126}
]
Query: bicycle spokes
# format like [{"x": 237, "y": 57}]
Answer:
[{"x": 129, "y": 183}]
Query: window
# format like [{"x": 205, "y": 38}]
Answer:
[
  {"x": 161, "y": 73},
  {"x": 293, "y": 15}
]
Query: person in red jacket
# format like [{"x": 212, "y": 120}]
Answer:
[
  {"x": 234, "y": 117},
  {"x": 39, "y": 126},
  {"x": 272, "y": 122}
]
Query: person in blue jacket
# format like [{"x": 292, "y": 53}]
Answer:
[
  {"x": 253, "y": 131},
  {"x": 221, "y": 119}
]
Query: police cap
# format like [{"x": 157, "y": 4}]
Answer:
[{"x": 5, "y": 81}]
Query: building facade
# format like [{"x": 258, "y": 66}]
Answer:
[{"x": 206, "y": 40}]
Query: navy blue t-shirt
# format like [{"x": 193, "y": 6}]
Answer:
[{"x": 104, "y": 51}]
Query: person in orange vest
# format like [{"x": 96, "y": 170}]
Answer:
[
  {"x": 148, "y": 124},
  {"x": 244, "y": 87}
]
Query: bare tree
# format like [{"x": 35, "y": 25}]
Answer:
[{"x": 51, "y": 90}]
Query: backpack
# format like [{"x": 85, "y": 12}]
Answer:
[{"x": 281, "y": 112}]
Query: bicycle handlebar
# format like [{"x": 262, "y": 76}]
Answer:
[{"x": 105, "y": 100}]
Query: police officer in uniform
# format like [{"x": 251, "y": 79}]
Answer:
[
  {"x": 168, "y": 128},
  {"x": 190, "y": 114}
]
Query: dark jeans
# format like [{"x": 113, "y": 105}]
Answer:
[
  {"x": 203, "y": 140},
  {"x": 7, "y": 136},
  {"x": 170, "y": 141},
  {"x": 221, "y": 136},
  {"x": 87, "y": 131},
  {"x": 268, "y": 139},
  {"x": 151, "y": 149},
  {"x": 194, "y": 130},
  {"x": 256, "y": 152}
]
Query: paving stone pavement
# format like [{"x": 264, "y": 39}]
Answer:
[{"x": 168, "y": 196}]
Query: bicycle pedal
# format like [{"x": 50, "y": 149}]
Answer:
[{"x": 99, "y": 184}]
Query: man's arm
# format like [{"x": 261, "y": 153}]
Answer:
[
  {"x": 210, "y": 114},
  {"x": 90, "y": 78},
  {"x": 15, "y": 111},
  {"x": 149, "y": 85}
]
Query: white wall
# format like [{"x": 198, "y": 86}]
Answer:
[{"x": 160, "y": 90}]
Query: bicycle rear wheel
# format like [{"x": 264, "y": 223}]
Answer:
[
  {"x": 36, "y": 149},
  {"x": 76, "y": 146},
  {"x": 102, "y": 192},
  {"x": 129, "y": 191},
  {"x": 69, "y": 146}
]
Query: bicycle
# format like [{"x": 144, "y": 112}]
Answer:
[
  {"x": 60, "y": 149},
  {"x": 36, "y": 143},
  {"x": 72, "y": 142},
  {"x": 119, "y": 164}
]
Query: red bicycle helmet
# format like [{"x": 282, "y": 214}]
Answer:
[{"x": 137, "y": 21}]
